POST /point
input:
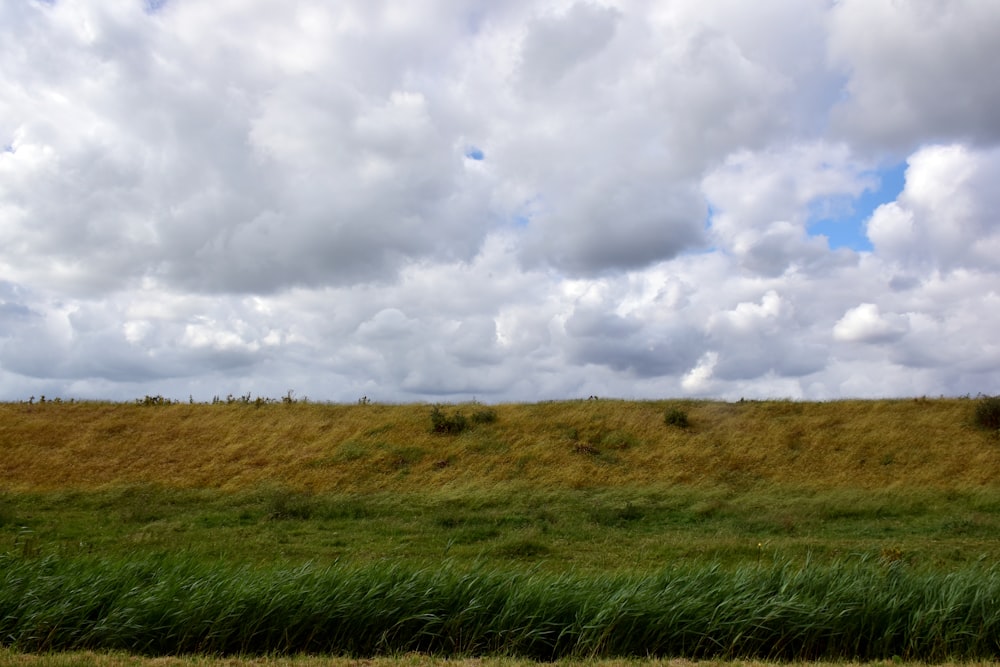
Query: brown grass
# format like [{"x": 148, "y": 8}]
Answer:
[{"x": 883, "y": 444}]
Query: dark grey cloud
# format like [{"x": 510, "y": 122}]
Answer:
[
  {"x": 629, "y": 345},
  {"x": 615, "y": 226}
]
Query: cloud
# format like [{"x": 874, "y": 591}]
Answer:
[
  {"x": 624, "y": 344},
  {"x": 509, "y": 200},
  {"x": 557, "y": 44},
  {"x": 916, "y": 71},
  {"x": 762, "y": 203},
  {"x": 753, "y": 339},
  {"x": 865, "y": 324},
  {"x": 250, "y": 173},
  {"x": 945, "y": 218}
]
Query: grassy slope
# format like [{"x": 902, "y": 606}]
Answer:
[
  {"x": 915, "y": 444},
  {"x": 587, "y": 485}
]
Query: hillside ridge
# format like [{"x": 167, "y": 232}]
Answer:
[{"x": 371, "y": 447}]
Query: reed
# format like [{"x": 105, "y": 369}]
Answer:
[{"x": 172, "y": 605}]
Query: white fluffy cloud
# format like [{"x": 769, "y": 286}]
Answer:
[
  {"x": 866, "y": 324},
  {"x": 509, "y": 200},
  {"x": 947, "y": 216}
]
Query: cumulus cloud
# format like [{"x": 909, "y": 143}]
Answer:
[
  {"x": 946, "y": 217},
  {"x": 917, "y": 71},
  {"x": 509, "y": 200},
  {"x": 761, "y": 203},
  {"x": 751, "y": 340},
  {"x": 865, "y": 324}
]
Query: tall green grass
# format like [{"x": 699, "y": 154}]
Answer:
[{"x": 172, "y": 605}]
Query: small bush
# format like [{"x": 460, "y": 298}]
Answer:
[
  {"x": 146, "y": 401},
  {"x": 457, "y": 422},
  {"x": 676, "y": 417},
  {"x": 988, "y": 413},
  {"x": 442, "y": 422}
]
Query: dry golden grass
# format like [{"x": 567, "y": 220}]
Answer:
[{"x": 886, "y": 444}]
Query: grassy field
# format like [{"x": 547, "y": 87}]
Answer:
[{"x": 589, "y": 490}]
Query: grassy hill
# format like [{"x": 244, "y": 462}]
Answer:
[
  {"x": 886, "y": 444},
  {"x": 595, "y": 485}
]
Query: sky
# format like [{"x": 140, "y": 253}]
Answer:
[{"x": 499, "y": 200}]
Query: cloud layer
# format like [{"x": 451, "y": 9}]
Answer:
[{"x": 509, "y": 200}]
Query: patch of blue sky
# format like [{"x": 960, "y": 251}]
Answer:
[
  {"x": 843, "y": 219},
  {"x": 153, "y": 6},
  {"x": 706, "y": 247},
  {"x": 521, "y": 220},
  {"x": 474, "y": 153}
]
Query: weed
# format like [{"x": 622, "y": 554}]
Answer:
[
  {"x": 987, "y": 414},
  {"x": 147, "y": 401},
  {"x": 443, "y": 423},
  {"x": 676, "y": 417},
  {"x": 457, "y": 422}
]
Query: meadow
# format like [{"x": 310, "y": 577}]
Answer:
[{"x": 569, "y": 529}]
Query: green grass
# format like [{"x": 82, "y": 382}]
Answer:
[
  {"x": 123, "y": 659},
  {"x": 580, "y": 530},
  {"x": 171, "y": 605}
]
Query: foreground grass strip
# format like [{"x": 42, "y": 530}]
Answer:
[
  {"x": 95, "y": 659},
  {"x": 172, "y": 605}
]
